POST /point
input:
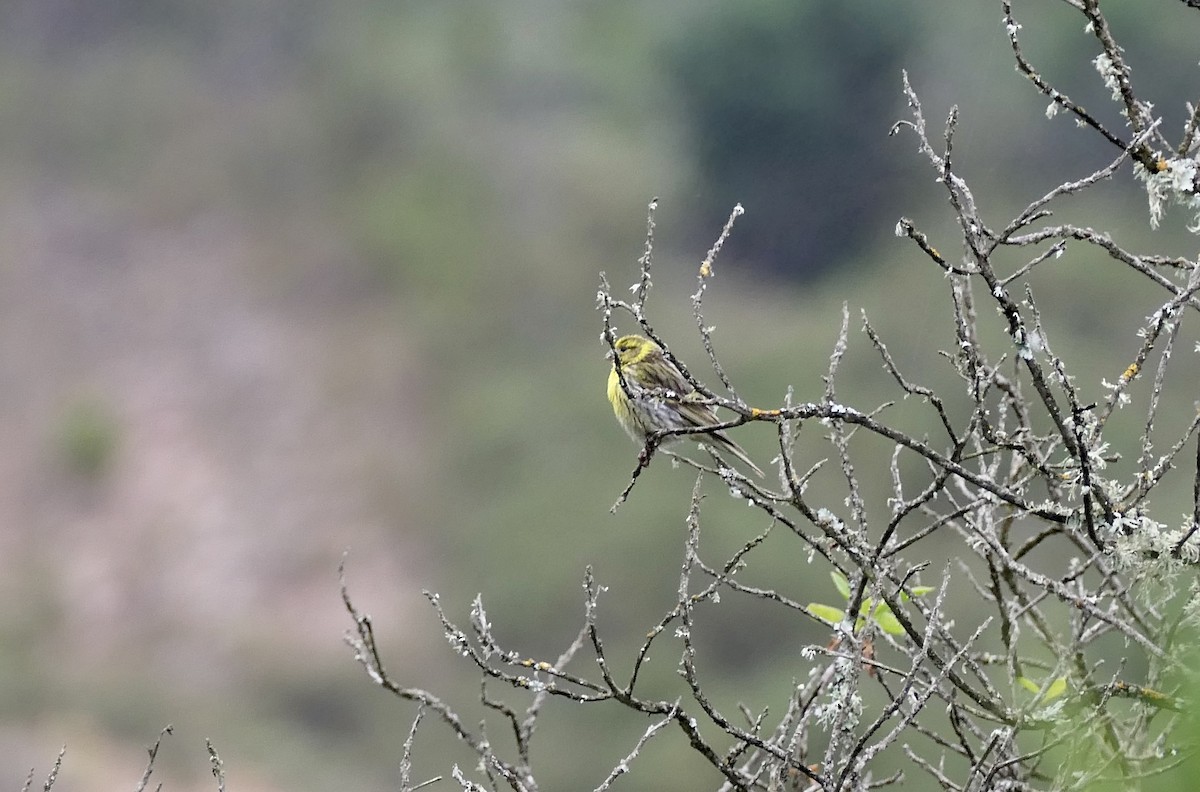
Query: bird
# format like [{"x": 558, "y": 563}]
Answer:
[{"x": 660, "y": 398}]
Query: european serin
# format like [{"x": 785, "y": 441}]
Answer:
[{"x": 660, "y": 398}]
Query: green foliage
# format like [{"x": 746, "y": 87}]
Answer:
[
  {"x": 88, "y": 437},
  {"x": 878, "y": 612},
  {"x": 1052, "y": 690},
  {"x": 790, "y": 105}
]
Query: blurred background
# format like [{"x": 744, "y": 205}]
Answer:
[{"x": 285, "y": 280}]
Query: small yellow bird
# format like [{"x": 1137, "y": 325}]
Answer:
[{"x": 660, "y": 397}]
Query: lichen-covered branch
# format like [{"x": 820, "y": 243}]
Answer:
[{"x": 1071, "y": 670}]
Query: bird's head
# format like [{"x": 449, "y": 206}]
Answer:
[{"x": 634, "y": 349}]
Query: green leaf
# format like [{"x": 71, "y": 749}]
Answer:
[
  {"x": 887, "y": 620},
  {"x": 825, "y": 612},
  {"x": 843, "y": 585},
  {"x": 917, "y": 591},
  {"x": 1057, "y": 688},
  {"x": 864, "y": 612}
]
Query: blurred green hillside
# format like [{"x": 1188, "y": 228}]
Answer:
[{"x": 285, "y": 280}]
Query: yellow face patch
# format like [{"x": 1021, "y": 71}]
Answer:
[{"x": 633, "y": 349}]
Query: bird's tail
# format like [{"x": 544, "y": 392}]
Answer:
[{"x": 724, "y": 442}]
